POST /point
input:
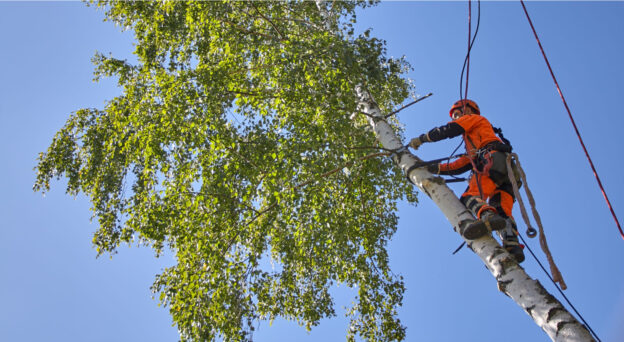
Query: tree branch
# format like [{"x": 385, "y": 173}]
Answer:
[
  {"x": 267, "y": 19},
  {"x": 246, "y": 31},
  {"x": 372, "y": 155}
]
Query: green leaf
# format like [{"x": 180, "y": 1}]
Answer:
[{"x": 220, "y": 148}]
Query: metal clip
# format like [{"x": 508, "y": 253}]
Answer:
[{"x": 531, "y": 232}]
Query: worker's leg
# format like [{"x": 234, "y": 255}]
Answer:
[
  {"x": 503, "y": 202},
  {"x": 509, "y": 238},
  {"x": 488, "y": 218},
  {"x": 471, "y": 198},
  {"x": 502, "y": 197}
]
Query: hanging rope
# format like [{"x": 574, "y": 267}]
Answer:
[
  {"x": 553, "y": 268},
  {"x": 561, "y": 292},
  {"x": 591, "y": 163},
  {"x": 469, "y": 47},
  {"x": 463, "y": 92}
]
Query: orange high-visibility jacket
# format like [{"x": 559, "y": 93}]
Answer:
[{"x": 477, "y": 133}]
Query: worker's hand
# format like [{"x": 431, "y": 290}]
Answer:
[
  {"x": 434, "y": 168},
  {"x": 415, "y": 143}
]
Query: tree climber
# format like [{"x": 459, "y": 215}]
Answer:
[{"x": 486, "y": 156}]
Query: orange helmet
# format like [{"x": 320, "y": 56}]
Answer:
[{"x": 466, "y": 103}]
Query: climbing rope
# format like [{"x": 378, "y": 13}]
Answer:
[
  {"x": 561, "y": 292},
  {"x": 591, "y": 163},
  {"x": 463, "y": 93},
  {"x": 469, "y": 47},
  {"x": 553, "y": 268},
  {"x": 556, "y": 275},
  {"x": 448, "y": 160}
]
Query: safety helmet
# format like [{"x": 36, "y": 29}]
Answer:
[{"x": 467, "y": 103}]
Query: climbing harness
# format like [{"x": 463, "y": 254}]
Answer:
[
  {"x": 499, "y": 132},
  {"x": 479, "y": 153},
  {"x": 578, "y": 134}
]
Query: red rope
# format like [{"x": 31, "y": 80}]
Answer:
[{"x": 591, "y": 163}]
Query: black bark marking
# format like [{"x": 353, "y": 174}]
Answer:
[
  {"x": 507, "y": 262},
  {"x": 497, "y": 252},
  {"x": 548, "y": 298},
  {"x": 502, "y": 286},
  {"x": 427, "y": 192},
  {"x": 561, "y": 324},
  {"x": 529, "y": 310},
  {"x": 437, "y": 180},
  {"x": 553, "y": 312}
]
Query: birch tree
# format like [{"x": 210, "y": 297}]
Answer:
[
  {"x": 232, "y": 145},
  {"x": 218, "y": 148},
  {"x": 547, "y": 312}
]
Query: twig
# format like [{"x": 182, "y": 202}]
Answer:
[
  {"x": 252, "y": 94},
  {"x": 244, "y": 30},
  {"x": 267, "y": 19},
  {"x": 407, "y": 105},
  {"x": 231, "y": 241},
  {"x": 274, "y": 204},
  {"x": 372, "y": 155}
]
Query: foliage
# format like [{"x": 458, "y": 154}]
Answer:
[{"x": 223, "y": 131}]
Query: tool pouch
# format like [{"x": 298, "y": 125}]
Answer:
[{"x": 498, "y": 170}]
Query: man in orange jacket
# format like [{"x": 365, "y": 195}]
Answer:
[{"x": 486, "y": 157}]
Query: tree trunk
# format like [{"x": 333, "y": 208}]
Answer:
[{"x": 529, "y": 294}]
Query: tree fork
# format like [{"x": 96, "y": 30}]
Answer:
[{"x": 547, "y": 312}]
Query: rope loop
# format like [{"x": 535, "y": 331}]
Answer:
[{"x": 556, "y": 274}]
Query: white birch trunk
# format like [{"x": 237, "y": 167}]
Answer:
[
  {"x": 547, "y": 312},
  {"x": 529, "y": 294}
]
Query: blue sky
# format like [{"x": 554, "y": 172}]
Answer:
[{"x": 54, "y": 289}]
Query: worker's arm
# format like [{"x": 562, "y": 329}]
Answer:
[
  {"x": 450, "y": 130},
  {"x": 457, "y": 167}
]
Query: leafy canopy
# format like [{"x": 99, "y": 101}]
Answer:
[{"x": 219, "y": 148}]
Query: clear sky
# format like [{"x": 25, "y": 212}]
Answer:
[{"x": 54, "y": 289}]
